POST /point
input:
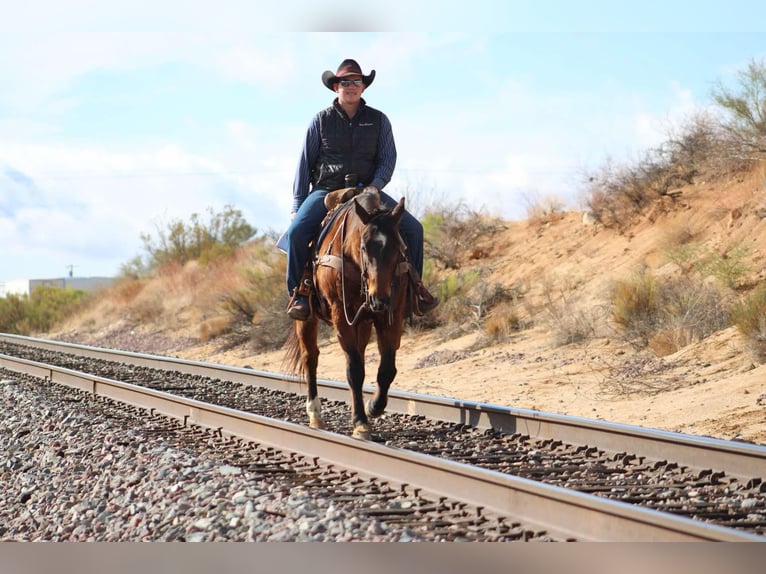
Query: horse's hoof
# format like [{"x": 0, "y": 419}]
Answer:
[
  {"x": 371, "y": 412},
  {"x": 362, "y": 432},
  {"x": 316, "y": 423}
]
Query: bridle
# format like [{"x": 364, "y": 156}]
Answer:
[{"x": 338, "y": 263}]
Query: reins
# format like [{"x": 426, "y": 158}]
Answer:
[
  {"x": 338, "y": 262},
  {"x": 364, "y": 290}
]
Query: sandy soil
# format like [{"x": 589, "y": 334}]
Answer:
[
  {"x": 712, "y": 387},
  {"x": 711, "y": 390}
]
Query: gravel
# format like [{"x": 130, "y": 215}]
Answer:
[{"x": 79, "y": 468}]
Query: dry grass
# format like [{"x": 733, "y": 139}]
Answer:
[{"x": 503, "y": 321}]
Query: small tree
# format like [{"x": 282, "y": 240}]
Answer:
[
  {"x": 746, "y": 108},
  {"x": 182, "y": 242}
]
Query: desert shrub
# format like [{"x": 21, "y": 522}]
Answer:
[
  {"x": 749, "y": 315},
  {"x": 39, "y": 312},
  {"x": 692, "y": 310},
  {"x": 744, "y": 110},
  {"x": 615, "y": 193},
  {"x": 124, "y": 290},
  {"x": 636, "y": 304},
  {"x": 466, "y": 301},
  {"x": 568, "y": 319},
  {"x": 728, "y": 268},
  {"x": 452, "y": 231},
  {"x": 504, "y": 320},
  {"x": 257, "y": 310},
  {"x": 672, "y": 312},
  {"x": 542, "y": 210},
  {"x": 701, "y": 146},
  {"x": 13, "y": 310},
  {"x": 135, "y": 268},
  {"x": 685, "y": 255},
  {"x": 455, "y": 293},
  {"x": 180, "y": 242}
]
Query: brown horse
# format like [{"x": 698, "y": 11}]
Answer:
[{"x": 360, "y": 282}]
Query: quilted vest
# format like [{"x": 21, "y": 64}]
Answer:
[{"x": 348, "y": 146}]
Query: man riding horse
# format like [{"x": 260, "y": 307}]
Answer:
[{"x": 349, "y": 137}]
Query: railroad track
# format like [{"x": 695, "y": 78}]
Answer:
[{"x": 570, "y": 478}]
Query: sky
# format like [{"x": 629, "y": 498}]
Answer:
[{"x": 117, "y": 118}]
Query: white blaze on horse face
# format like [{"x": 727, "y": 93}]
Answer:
[{"x": 376, "y": 244}]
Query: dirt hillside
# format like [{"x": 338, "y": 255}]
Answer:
[{"x": 713, "y": 387}]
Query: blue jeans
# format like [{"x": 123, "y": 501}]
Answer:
[{"x": 305, "y": 226}]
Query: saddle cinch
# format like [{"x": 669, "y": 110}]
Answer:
[{"x": 337, "y": 202}]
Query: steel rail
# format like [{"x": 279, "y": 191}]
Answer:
[
  {"x": 562, "y": 513},
  {"x": 738, "y": 459}
]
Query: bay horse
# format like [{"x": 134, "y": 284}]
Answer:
[{"x": 360, "y": 282}]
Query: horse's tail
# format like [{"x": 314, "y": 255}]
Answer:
[{"x": 291, "y": 363}]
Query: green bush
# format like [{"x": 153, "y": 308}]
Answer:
[
  {"x": 40, "y": 311},
  {"x": 13, "y": 310},
  {"x": 182, "y": 242},
  {"x": 745, "y": 109},
  {"x": 729, "y": 268},
  {"x": 465, "y": 302}
]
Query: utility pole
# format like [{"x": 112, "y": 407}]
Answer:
[{"x": 71, "y": 269}]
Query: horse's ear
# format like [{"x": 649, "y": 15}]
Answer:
[
  {"x": 362, "y": 212},
  {"x": 398, "y": 211}
]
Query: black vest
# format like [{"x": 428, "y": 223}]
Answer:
[{"x": 348, "y": 146}]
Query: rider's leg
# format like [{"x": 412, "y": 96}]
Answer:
[
  {"x": 302, "y": 230},
  {"x": 411, "y": 231}
]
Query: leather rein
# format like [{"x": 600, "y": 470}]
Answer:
[{"x": 337, "y": 262}]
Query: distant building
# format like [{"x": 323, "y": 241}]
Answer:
[{"x": 26, "y": 286}]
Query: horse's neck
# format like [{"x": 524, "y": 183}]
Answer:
[{"x": 352, "y": 237}]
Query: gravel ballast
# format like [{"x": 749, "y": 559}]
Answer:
[{"x": 76, "y": 467}]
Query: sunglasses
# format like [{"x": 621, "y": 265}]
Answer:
[{"x": 347, "y": 83}]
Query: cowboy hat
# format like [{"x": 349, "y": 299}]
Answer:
[{"x": 347, "y": 67}]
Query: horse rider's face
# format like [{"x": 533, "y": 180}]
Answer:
[{"x": 351, "y": 92}]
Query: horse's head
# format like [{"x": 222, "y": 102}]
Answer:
[{"x": 380, "y": 247}]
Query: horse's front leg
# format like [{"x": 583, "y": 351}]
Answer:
[
  {"x": 307, "y": 332},
  {"x": 376, "y": 406},
  {"x": 355, "y": 376},
  {"x": 353, "y": 342},
  {"x": 389, "y": 339}
]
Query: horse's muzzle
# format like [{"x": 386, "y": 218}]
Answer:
[{"x": 378, "y": 304}]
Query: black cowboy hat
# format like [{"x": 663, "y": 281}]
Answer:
[{"x": 347, "y": 67}]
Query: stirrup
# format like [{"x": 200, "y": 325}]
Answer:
[
  {"x": 298, "y": 311},
  {"x": 421, "y": 305}
]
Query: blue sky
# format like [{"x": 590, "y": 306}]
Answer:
[{"x": 117, "y": 118}]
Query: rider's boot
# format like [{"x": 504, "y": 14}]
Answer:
[
  {"x": 425, "y": 301},
  {"x": 299, "y": 307}
]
